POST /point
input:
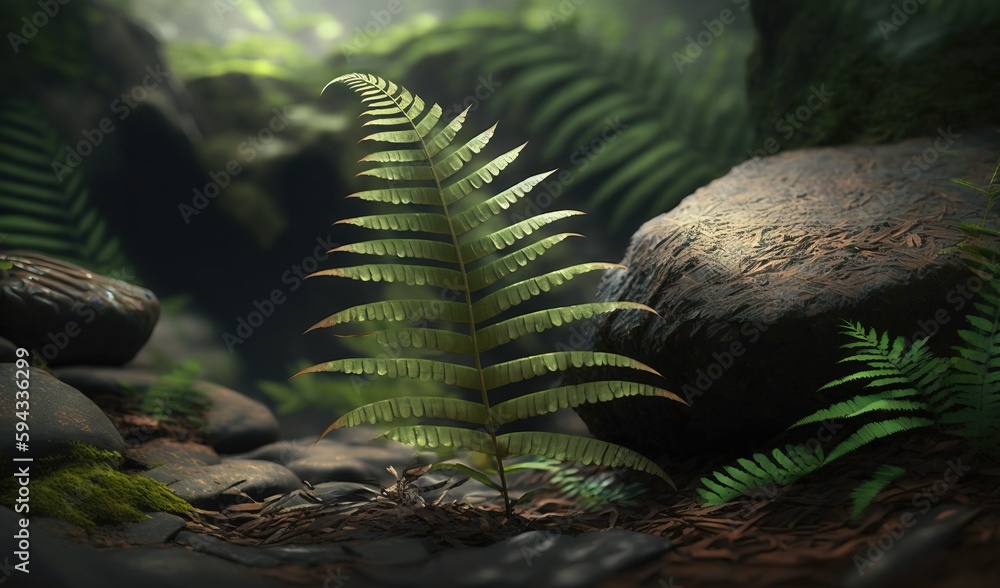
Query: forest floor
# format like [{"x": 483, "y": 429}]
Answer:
[{"x": 937, "y": 525}]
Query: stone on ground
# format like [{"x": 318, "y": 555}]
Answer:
[{"x": 754, "y": 274}]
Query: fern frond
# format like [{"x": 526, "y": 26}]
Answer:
[
  {"x": 474, "y": 264},
  {"x": 866, "y": 492},
  {"x": 786, "y": 467},
  {"x": 669, "y": 137},
  {"x": 396, "y": 409},
  {"x": 546, "y": 401},
  {"x": 972, "y": 406},
  {"x": 44, "y": 203},
  {"x": 525, "y": 368},
  {"x": 891, "y": 361},
  {"x": 397, "y": 311},
  {"x": 875, "y": 431},
  {"x": 535, "y": 322},
  {"x": 433, "y": 437},
  {"x": 574, "y": 448},
  {"x": 418, "y": 369},
  {"x": 477, "y": 475},
  {"x": 503, "y": 299}
]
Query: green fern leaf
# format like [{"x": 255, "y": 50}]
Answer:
[
  {"x": 547, "y": 401},
  {"x": 395, "y": 409},
  {"x": 477, "y": 475},
  {"x": 971, "y": 407},
  {"x": 865, "y": 493},
  {"x": 786, "y": 467},
  {"x": 469, "y": 263},
  {"x": 432, "y": 437},
  {"x": 581, "y": 449},
  {"x": 875, "y": 431},
  {"x": 536, "y": 322},
  {"x": 41, "y": 210}
]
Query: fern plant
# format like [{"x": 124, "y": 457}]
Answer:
[
  {"x": 174, "y": 395},
  {"x": 866, "y": 491},
  {"x": 593, "y": 491},
  {"x": 37, "y": 210},
  {"x": 786, "y": 467},
  {"x": 673, "y": 131},
  {"x": 433, "y": 199},
  {"x": 907, "y": 387}
]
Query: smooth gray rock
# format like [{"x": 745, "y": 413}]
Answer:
[
  {"x": 169, "y": 452},
  {"x": 59, "y": 561},
  {"x": 233, "y": 422},
  {"x": 57, "y": 415},
  {"x": 530, "y": 559},
  {"x": 242, "y": 554},
  {"x": 920, "y": 541},
  {"x": 266, "y": 557},
  {"x": 236, "y": 423},
  {"x": 336, "y": 459},
  {"x": 96, "y": 380},
  {"x": 159, "y": 528},
  {"x": 390, "y": 552},
  {"x": 67, "y": 314},
  {"x": 203, "y": 485}
]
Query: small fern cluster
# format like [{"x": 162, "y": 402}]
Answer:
[
  {"x": 907, "y": 387},
  {"x": 174, "y": 395},
  {"x": 432, "y": 194}
]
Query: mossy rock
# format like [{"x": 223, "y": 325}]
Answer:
[
  {"x": 86, "y": 488},
  {"x": 896, "y": 69}
]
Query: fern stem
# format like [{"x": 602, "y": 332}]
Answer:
[{"x": 490, "y": 426}]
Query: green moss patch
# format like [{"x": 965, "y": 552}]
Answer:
[{"x": 86, "y": 487}]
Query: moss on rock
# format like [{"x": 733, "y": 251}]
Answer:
[{"x": 87, "y": 487}]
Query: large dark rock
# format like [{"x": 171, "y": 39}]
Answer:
[
  {"x": 754, "y": 274},
  {"x": 56, "y": 415},
  {"x": 66, "y": 314}
]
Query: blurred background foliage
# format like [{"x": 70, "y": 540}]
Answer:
[{"x": 639, "y": 103}]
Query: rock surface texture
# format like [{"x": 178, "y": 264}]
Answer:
[
  {"x": 69, "y": 315},
  {"x": 57, "y": 416},
  {"x": 754, "y": 274}
]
